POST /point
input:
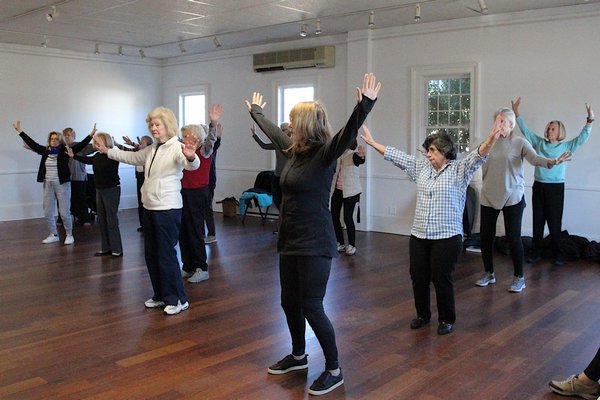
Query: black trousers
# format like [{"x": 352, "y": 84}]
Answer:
[
  {"x": 593, "y": 369},
  {"x": 434, "y": 261},
  {"x": 209, "y": 216},
  {"x": 548, "y": 202},
  {"x": 191, "y": 241},
  {"x": 513, "y": 217},
  {"x": 79, "y": 206},
  {"x": 337, "y": 202},
  {"x": 139, "y": 181},
  {"x": 303, "y": 285}
]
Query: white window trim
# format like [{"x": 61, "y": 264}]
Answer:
[
  {"x": 190, "y": 90},
  {"x": 291, "y": 82},
  {"x": 419, "y": 78}
]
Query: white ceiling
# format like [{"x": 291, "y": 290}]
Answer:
[{"x": 158, "y": 26}]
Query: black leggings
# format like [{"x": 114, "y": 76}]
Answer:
[
  {"x": 548, "y": 202},
  {"x": 513, "y": 216},
  {"x": 303, "y": 285},
  {"x": 337, "y": 201},
  {"x": 593, "y": 370}
]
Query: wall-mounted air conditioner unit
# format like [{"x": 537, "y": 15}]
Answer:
[{"x": 311, "y": 57}]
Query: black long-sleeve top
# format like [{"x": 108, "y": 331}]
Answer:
[
  {"x": 106, "y": 170},
  {"x": 62, "y": 160},
  {"x": 305, "y": 225}
]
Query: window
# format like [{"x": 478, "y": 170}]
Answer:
[
  {"x": 444, "y": 100},
  {"x": 289, "y": 95},
  {"x": 192, "y": 108},
  {"x": 449, "y": 108}
]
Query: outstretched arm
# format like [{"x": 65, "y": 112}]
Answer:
[{"x": 368, "y": 138}]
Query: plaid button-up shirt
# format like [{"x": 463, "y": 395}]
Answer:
[{"x": 440, "y": 195}]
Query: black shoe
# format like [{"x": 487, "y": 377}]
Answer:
[
  {"x": 325, "y": 383},
  {"x": 101, "y": 253},
  {"x": 533, "y": 257},
  {"x": 418, "y": 322},
  {"x": 288, "y": 364},
  {"x": 445, "y": 328}
]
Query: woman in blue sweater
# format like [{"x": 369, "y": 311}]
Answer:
[{"x": 548, "y": 192}]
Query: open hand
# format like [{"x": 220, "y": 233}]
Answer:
[
  {"x": 214, "y": 113},
  {"x": 257, "y": 99},
  {"x": 190, "y": 144},
  {"x": 370, "y": 87},
  {"x": 17, "y": 126}
]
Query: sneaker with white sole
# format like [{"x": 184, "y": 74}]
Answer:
[
  {"x": 350, "y": 250},
  {"x": 517, "y": 285},
  {"x": 51, "y": 239},
  {"x": 572, "y": 386},
  {"x": 486, "y": 279},
  {"x": 288, "y": 364},
  {"x": 173, "y": 310},
  {"x": 199, "y": 276},
  {"x": 151, "y": 303},
  {"x": 341, "y": 247},
  {"x": 186, "y": 274},
  {"x": 210, "y": 239},
  {"x": 325, "y": 383},
  {"x": 69, "y": 239}
]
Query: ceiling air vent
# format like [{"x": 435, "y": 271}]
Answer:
[{"x": 310, "y": 57}]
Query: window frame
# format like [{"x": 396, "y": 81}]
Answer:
[
  {"x": 191, "y": 91},
  {"x": 420, "y": 77},
  {"x": 280, "y": 84}
]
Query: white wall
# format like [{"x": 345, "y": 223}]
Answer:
[
  {"x": 50, "y": 90},
  {"x": 551, "y": 60}
]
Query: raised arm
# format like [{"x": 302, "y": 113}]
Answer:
[
  {"x": 257, "y": 139},
  {"x": 29, "y": 142},
  {"x": 497, "y": 131},
  {"x": 279, "y": 139},
  {"x": 368, "y": 138}
]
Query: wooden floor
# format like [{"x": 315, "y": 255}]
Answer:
[{"x": 74, "y": 326}]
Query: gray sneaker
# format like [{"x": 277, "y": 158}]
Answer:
[
  {"x": 572, "y": 386},
  {"x": 186, "y": 274},
  {"x": 486, "y": 279},
  {"x": 198, "y": 276},
  {"x": 517, "y": 285}
]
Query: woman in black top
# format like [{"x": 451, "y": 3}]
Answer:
[
  {"x": 108, "y": 195},
  {"x": 306, "y": 240}
]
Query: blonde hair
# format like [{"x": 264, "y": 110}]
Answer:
[
  {"x": 167, "y": 117},
  {"x": 562, "y": 131},
  {"x": 310, "y": 126},
  {"x": 61, "y": 138},
  {"x": 108, "y": 141}
]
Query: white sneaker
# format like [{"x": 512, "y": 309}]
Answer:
[
  {"x": 50, "y": 239},
  {"x": 210, "y": 239},
  {"x": 186, "y": 274},
  {"x": 151, "y": 303},
  {"x": 198, "y": 276},
  {"x": 173, "y": 310},
  {"x": 350, "y": 250},
  {"x": 341, "y": 247},
  {"x": 69, "y": 239}
]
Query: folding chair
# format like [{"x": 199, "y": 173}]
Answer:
[{"x": 258, "y": 196}]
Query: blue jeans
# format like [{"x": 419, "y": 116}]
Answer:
[
  {"x": 54, "y": 192},
  {"x": 303, "y": 285},
  {"x": 161, "y": 232}
]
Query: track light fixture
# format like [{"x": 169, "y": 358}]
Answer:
[
  {"x": 303, "y": 30},
  {"x": 371, "y": 19},
  {"x": 483, "y": 6},
  {"x": 417, "y": 12},
  {"x": 216, "y": 42},
  {"x": 52, "y": 14},
  {"x": 142, "y": 54},
  {"x": 97, "y": 48},
  {"x": 318, "y": 27},
  {"x": 120, "y": 50},
  {"x": 45, "y": 42}
]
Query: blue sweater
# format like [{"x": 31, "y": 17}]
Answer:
[{"x": 552, "y": 150}]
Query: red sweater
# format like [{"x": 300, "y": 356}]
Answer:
[{"x": 197, "y": 178}]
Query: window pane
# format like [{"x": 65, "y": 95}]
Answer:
[
  {"x": 433, "y": 106},
  {"x": 194, "y": 109},
  {"x": 443, "y": 118},
  {"x": 454, "y": 102},
  {"x": 465, "y": 86},
  {"x": 432, "y": 119},
  {"x": 444, "y": 102},
  {"x": 454, "y": 118},
  {"x": 454, "y": 86}
]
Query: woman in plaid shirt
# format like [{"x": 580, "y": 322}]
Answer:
[{"x": 436, "y": 235}]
